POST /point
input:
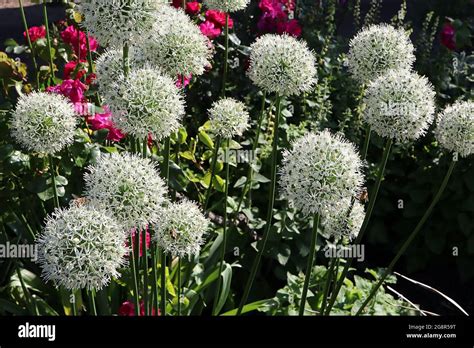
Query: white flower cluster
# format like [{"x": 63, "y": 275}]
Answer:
[
  {"x": 319, "y": 171},
  {"x": 43, "y": 122},
  {"x": 181, "y": 228},
  {"x": 400, "y": 104},
  {"x": 146, "y": 101},
  {"x": 226, "y": 5},
  {"x": 377, "y": 49},
  {"x": 114, "y": 22},
  {"x": 81, "y": 247},
  {"x": 343, "y": 221},
  {"x": 455, "y": 128},
  {"x": 282, "y": 64},
  {"x": 127, "y": 186},
  {"x": 228, "y": 118},
  {"x": 176, "y": 44}
]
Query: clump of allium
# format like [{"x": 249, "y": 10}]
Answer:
[
  {"x": 229, "y": 118},
  {"x": 81, "y": 247},
  {"x": 377, "y": 49},
  {"x": 181, "y": 228},
  {"x": 226, "y": 5},
  {"x": 319, "y": 171},
  {"x": 282, "y": 64},
  {"x": 176, "y": 44},
  {"x": 144, "y": 102},
  {"x": 128, "y": 186},
  {"x": 343, "y": 220},
  {"x": 455, "y": 128},
  {"x": 115, "y": 22},
  {"x": 400, "y": 104},
  {"x": 43, "y": 122}
]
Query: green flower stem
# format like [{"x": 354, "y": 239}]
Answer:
[
  {"x": 217, "y": 145},
  {"x": 89, "y": 55},
  {"x": 145, "y": 272},
  {"x": 224, "y": 233},
  {"x": 365, "y": 147},
  {"x": 309, "y": 265},
  {"x": 372, "y": 199},
  {"x": 53, "y": 181},
  {"x": 30, "y": 45},
  {"x": 74, "y": 308},
  {"x": 163, "y": 284},
  {"x": 166, "y": 160},
  {"x": 410, "y": 239},
  {"x": 226, "y": 55},
  {"x": 48, "y": 40},
  {"x": 92, "y": 302},
  {"x": 179, "y": 286},
  {"x": 327, "y": 285},
  {"x": 134, "y": 276},
  {"x": 271, "y": 202},
  {"x": 154, "y": 250},
  {"x": 29, "y": 299},
  {"x": 248, "y": 186}
]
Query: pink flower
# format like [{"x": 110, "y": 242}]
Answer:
[
  {"x": 72, "y": 89},
  {"x": 218, "y": 18},
  {"x": 69, "y": 69},
  {"x": 36, "y": 33},
  {"x": 209, "y": 29},
  {"x": 274, "y": 8},
  {"x": 104, "y": 121},
  {"x": 127, "y": 309},
  {"x": 448, "y": 36},
  {"x": 77, "y": 40},
  {"x": 193, "y": 8},
  {"x": 141, "y": 240},
  {"x": 292, "y": 27},
  {"x": 179, "y": 81}
]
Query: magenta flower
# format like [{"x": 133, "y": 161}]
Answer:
[
  {"x": 448, "y": 36},
  {"x": 36, "y": 33},
  {"x": 72, "y": 89},
  {"x": 77, "y": 40},
  {"x": 104, "y": 121},
  {"x": 209, "y": 29}
]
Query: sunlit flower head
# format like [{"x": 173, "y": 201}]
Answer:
[
  {"x": 226, "y": 5},
  {"x": 343, "y": 220},
  {"x": 229, "y": 118}
]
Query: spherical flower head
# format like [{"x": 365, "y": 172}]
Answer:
[
  {"x": 128, "y": 186},
  {"x": 115, "y": 22},
  {"x": 400, "y": 105},
  {"x": 320, "y": 170},
  {"x": 282, "y": 64},
  {"x": 226, "y": 5},
  {"x": 146, "y": 101},
  {"x": 81, "y": 247},
  {"x": 229, "y": 118},
  {"x": 176, "y": 44},
  {"x": 43, "y": 122},
  {"x": 377, "y": 49},
  {"x": 455, "y": 128},
  {"x": 181, "y": 228},
  {"x": 343, "y": 220}
]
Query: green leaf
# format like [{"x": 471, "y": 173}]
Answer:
[
  {"x": 206, "y": 139},
  {"x": 249, "y": 307},
  {"x": 226, "y": 280}
]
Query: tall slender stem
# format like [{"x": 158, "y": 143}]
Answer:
[
  {"x": 309, "y": 265},
  {"x": 154, "y": 250},
  {"x": 30, "y": 44},
  {"x": 48, "y": 40},
  {"x": 145, "y": 272},
  {"x": 410, "y": 238},
  {"x": 92, "y": 302},
  {"x": 166, "y": 160},
  {"x": 53, "y": 181},
  {"x": 74, "y": 308},
  {"x": 271, "y": 202},
  {"x": 365, "y": 147},
  {"x": 163, "y": 284},
  {"x": 184, "y": 5},
  {"x": 372, "y": 199},
  {"x": 89, "y": 54},
  {"x": 248, "y": 182},
  {"x": 179, "y": 286},
  {"x": 134, "y": 275},
  {"x": 327, "y": 285},
  {"x": 226, "y": 55},
  {"x": 224, "y": 233},
  {"x": 217, "y": 145}
]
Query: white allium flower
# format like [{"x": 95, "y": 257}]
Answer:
[
  {"x": 81, "y": 247},
  {"x": 319, "y": 171},
  {"x": 400, "y": 104},
  {"x": 377, "y": 49},
  {"x": 282, "y": 64},
  {"x": 176, "y": 44},
  {"x": 229, "y": 118},
  {"x": 43, "y": 122},
  {"x": 181, "y": 228},
  {"x": 340, "y": 221},
  {"x": 455, "y": 128},
  {"x": 226, "y": 5},
  {"x": 114, "y": 22},
  {"x": 128, "y": 186},
  {"x": 146, "y": 101}
]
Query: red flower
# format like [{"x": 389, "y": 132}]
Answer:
[
  {"x": 78, "y": 42},
  {"x": 104, "y": 121},
  {"x": 292, "y": 27},
  {"x": 177, "y": 3},
  {"x": 36, "y": 33},
  {"x": 209, "y": 29},
  {"x": 193, "y": 8},
  {"x": 448, "y": 36},
  {"x": 218, "y": 18},
  {"x": 69, "y": 69},
  {"x": 180, "y": 80},
  {"x": 73, "y": 89},
  {"x": 127, "y": 309}
]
